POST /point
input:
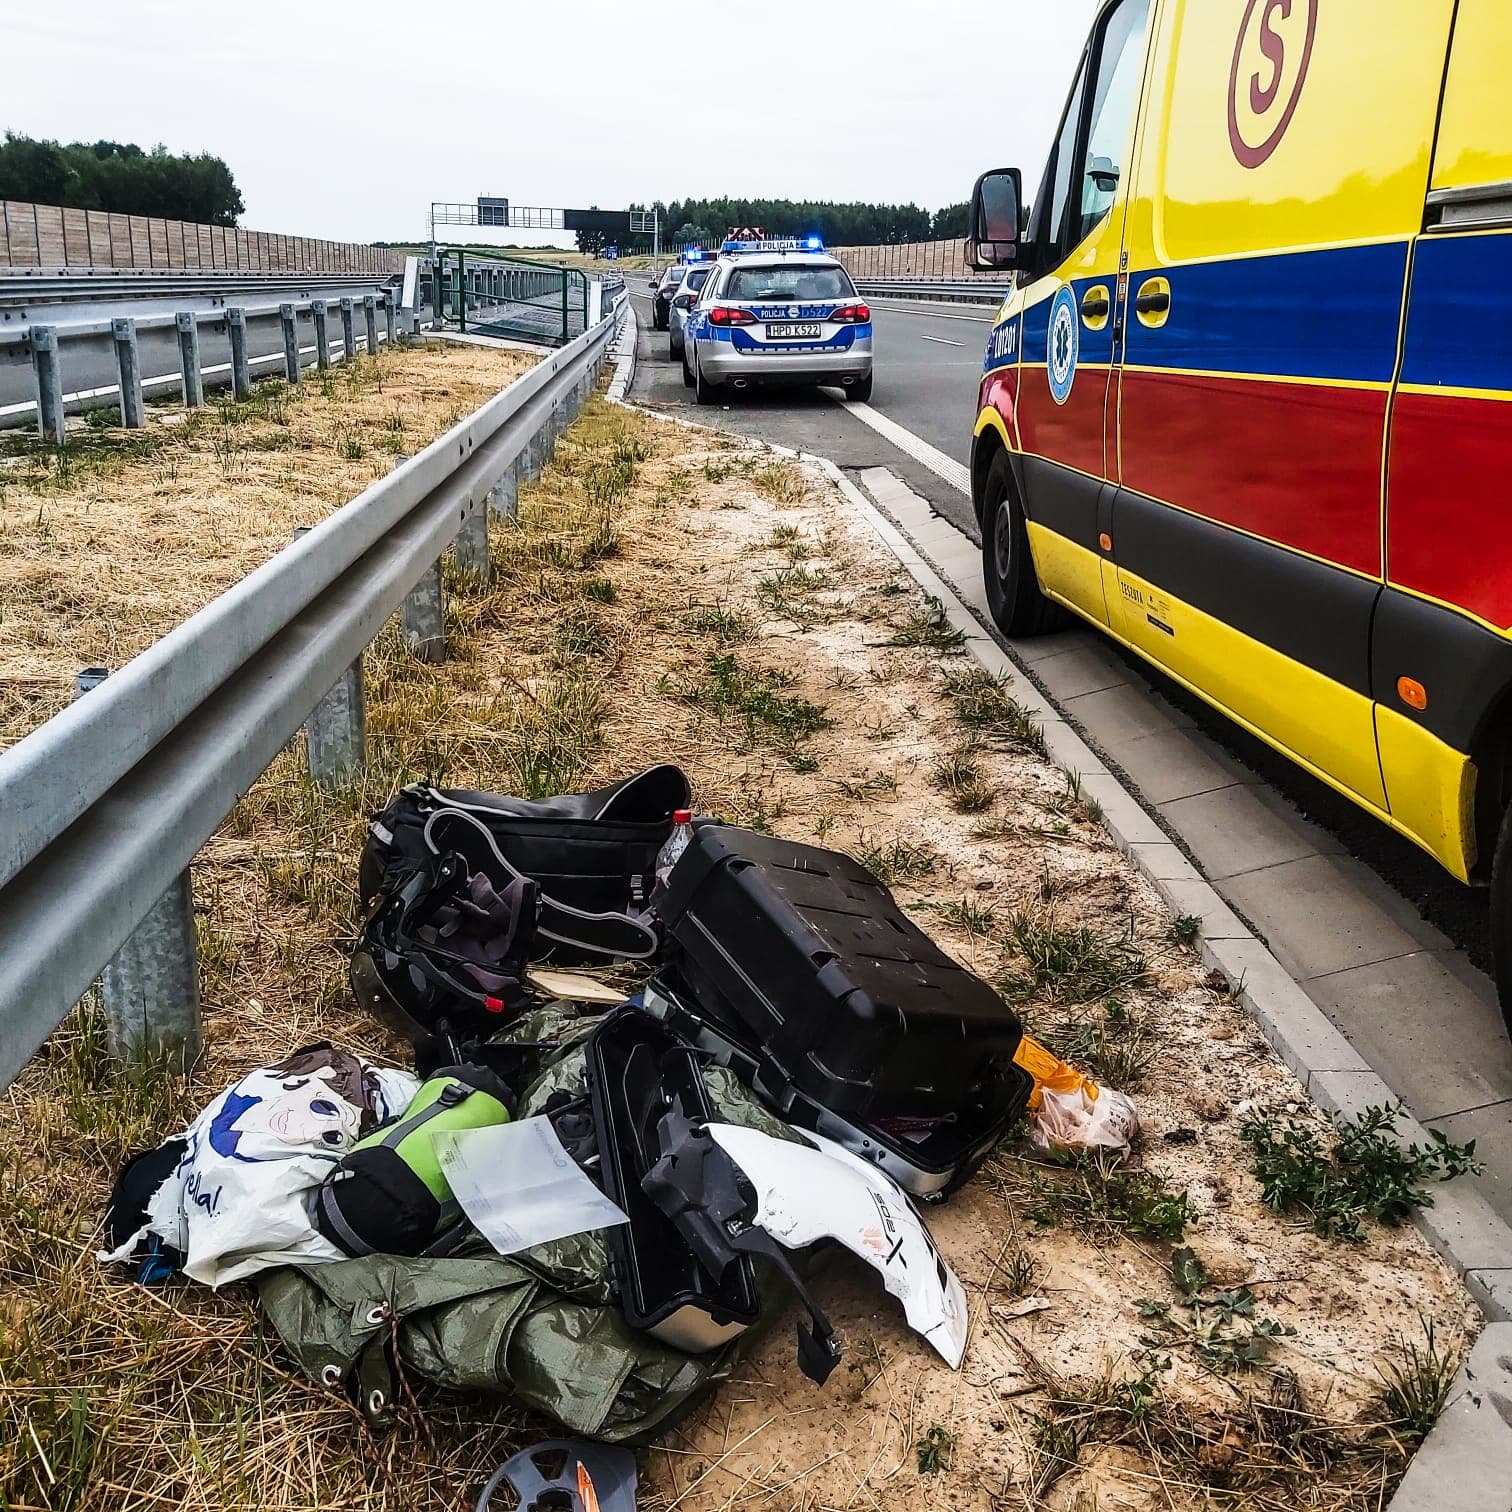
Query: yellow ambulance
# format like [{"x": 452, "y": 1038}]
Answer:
[{"x": 1248, "y": 408}]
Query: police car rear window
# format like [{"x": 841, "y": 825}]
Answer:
[
  {"x": 697, "y": 278},
  {"x": 789, "y": 281}
]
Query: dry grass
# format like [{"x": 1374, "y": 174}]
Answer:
[
  {"x": 601, "y": 645},
  {"x": 109, "y": 541}
]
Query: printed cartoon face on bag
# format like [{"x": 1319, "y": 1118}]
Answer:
[{"x": 316, "y": 1100}]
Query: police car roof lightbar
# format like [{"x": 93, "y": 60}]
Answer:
[
  {"x": 693, "y": 254},
  {"x": 777, "y": 244}
]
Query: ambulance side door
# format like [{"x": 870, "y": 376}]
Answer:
[
  {"x": 1280, "y": 181},
  {"x": 1067, "y": 323},
  {"x": 1442, "y": 647}
]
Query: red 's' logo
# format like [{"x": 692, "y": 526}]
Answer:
[{"x": 1270, "y": 67}]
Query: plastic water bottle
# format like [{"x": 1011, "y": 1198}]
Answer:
[{"x": 677, "y": 843}]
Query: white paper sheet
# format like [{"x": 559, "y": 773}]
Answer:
[{"x": 519, "y": 1186}]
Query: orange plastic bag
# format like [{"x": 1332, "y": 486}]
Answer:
[{"x": 1070, "y": 1111}]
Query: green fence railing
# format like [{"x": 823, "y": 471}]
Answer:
[{"x": 506, "y": 296}]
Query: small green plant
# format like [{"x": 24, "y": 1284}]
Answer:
[
  {"x": 106, "y": 417},
  {"x": 730, "y": 688},
  {"x": 1020, "y": 1272},
  {"x": 960, "y": 779},
  {"x": 981, "y": 702},
  {"x": 1221, "y": 1327},
  {"x": 970, "y": 914},
  {"x": 1070, "y": 962},
  {"x": 600, "y": 589},
  {"x": 1093, "y": 1193},
  {"x": 868, "y": 789},
  {"x": 727, "y": 626},
  {"x": 1185, "y": 930},
  {"x": 789, "y": 594},
  {"x": 935, "y": 1450},
  {"x": 1415, "y": 1384},
  {"x": 896, "y": 860},
  {"x": 1368, "y": 1174},
  {"x": 928, "y": 628}
]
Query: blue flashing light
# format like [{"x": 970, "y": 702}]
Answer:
[
  {"x": 693, "y": 254},
  {"x": 776, "y": 244}
]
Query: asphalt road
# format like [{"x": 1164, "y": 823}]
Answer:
[{"x": 928, "y": 358}]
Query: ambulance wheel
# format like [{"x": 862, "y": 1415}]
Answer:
[
  {"x": 703, "y": 391},
  {"x": 1501, "y": 917},
  {"x": 861, "y": 392},
  {"x": 1013, "y": 591}
]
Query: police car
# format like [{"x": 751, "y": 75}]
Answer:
[{"x": 777, "y": 311}]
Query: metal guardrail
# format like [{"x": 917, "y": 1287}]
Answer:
[
  {"x": 106, "y": 804},
  {"x": 531, "y": 301},
  {"x": 20, "y": 292},
  {"x": 969, "y": 290},
  {"x": 115, "y": 343}
]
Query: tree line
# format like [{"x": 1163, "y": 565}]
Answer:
[
  {"x": 856, "y": 224},
  {"x": 120, "y": 177}
]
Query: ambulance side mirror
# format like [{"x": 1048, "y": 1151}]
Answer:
[{"x": 996, "y": 221}]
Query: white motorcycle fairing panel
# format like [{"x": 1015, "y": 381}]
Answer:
[{"x": 804, "y": 1195}]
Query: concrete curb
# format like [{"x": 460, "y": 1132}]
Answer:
[{"x": 624, "y": 359}]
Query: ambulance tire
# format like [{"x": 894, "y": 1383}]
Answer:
[
  {"x": 1501, "y": 917},
  {"x": 1013, "y": 591}
]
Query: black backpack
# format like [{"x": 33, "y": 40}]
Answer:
[{"x": 593, "y": 855}]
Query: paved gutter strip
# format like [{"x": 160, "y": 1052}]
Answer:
[
  {"x": 1465, "y": 1463},
  {"x": 1470, "y": 1447}
]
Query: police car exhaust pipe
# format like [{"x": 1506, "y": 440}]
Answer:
[{"x": 739, "y": 382}]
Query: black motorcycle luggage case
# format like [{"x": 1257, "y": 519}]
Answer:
[{"x": 802, "y": 954}]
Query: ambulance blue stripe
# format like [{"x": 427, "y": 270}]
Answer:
[
  {"x": 1459, "y": 325},
  {"x": 1331, "y": 313}
]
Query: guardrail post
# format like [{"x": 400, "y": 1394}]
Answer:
[
  {"x": 390, "y": 311},
  {"x": 188, "y": 341},
  {"x": 504, "y": 496},
  {"x": 438, "y": 297},
  {"x": 336, "y": 731},
  {"x": 370, "y": 319},
  {"x": 241, "y": 372},
  {"x": 564, "y": 307},
  {"x": 290, "y": 342},
  {"x": 421, "y": 617},
  {"x": 128, "y": 371},
  {"x": 49, "y": 374},
  {"x": 322, "y": 334},
  {"x": 150, "y": 988},
  {"x": 348, "y": 336},
  {"x": 460, "y": 302},
  {"x": 471, "y": 543}
]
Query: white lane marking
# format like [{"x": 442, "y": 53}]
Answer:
[
  {"x": 941, "y": 339},
  {"x": 905, "y": 440},
  {"x": 931, "y": 312}
]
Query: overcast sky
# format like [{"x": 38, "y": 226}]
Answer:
[{"x": 345, "y": 119}]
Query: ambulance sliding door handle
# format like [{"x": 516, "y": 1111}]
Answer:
[
  {"x": 1158, "y": 302},
  {"x": 1094, "y": 304},
  {"x": 1152, "y": 304}
]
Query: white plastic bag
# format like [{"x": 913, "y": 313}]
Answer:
[{"x": 1072, "y": 1120}]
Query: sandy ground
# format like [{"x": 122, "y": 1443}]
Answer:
[{"x": 598, "y": 650}]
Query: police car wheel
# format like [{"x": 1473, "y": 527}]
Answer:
[
  {"x": 861, "y": 390},
  {"x": 1501, "y": 917},
  {"x": 1013, "y": 591},
  {"x": 703, "y": 391},
  {"x": 687, "y": 371}
]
